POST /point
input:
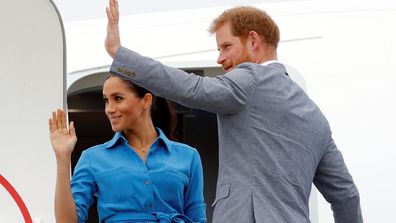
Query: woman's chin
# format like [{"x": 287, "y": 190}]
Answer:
[{"x": 115, "y": 128}]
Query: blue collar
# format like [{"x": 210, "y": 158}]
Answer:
[{"x": 119, "y": 136}]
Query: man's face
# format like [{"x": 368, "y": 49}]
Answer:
[{"x": 232, "y": 51}]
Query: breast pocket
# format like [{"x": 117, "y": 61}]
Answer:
[
  {"x": 176, "y": 177},
  {"x": 116, "y": 185},
  {"x": 171, "y": 181}
]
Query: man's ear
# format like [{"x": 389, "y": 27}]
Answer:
[{"x": 254, "y": 39}]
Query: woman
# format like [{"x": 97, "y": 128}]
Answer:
[{"x": 138, "y": 176}]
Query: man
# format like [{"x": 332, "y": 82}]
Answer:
[{"x": 273, "y": 140}]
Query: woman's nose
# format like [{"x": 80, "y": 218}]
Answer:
[{"x": 109, "y": 107}]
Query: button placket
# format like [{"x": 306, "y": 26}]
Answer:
[{"x": 149, "y": 186}]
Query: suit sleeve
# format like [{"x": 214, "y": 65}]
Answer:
[
  {"x": 225, "y": 94},
  {"x": 336, "y": 185}
]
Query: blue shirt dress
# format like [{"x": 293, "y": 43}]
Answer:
[{"x": 168, "y": 187}]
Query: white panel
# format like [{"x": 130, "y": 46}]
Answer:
[{"x": 31, "y": 85}]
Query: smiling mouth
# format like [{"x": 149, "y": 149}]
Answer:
[
  {"x": 114, "y": 118},
  {"x": 226, "y": 67}
]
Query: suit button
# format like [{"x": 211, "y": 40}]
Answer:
[
  {"x": 121, "y": 69},
  {"x": 131, "y": 74}
]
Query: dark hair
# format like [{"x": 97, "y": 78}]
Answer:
[
  {"x": 161, "y": 114},
  {"x": 244, "y": 19},
  {"x": 139, "y": 91}
]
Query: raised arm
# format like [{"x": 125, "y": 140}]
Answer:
[
  {"x": 63, "y": 141},
  {"x": 112, "y": 42},
  {"x": 224, "y": 94}
]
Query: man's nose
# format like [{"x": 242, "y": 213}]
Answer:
[{"x": 220, "y": 59}]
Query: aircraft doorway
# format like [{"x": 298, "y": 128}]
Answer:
[{"x": 194, "y": 127}]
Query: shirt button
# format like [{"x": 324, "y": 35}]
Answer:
[
  {"x": 149, "y": 205},
  {"x": 147, "y": 182}
]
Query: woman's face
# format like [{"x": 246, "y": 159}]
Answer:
[{"x": 122, "y": 107}]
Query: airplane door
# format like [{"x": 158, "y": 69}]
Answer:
[{"x": 32, "y": 84}]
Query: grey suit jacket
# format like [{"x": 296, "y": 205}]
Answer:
[{"x": 273, "y": 140}]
